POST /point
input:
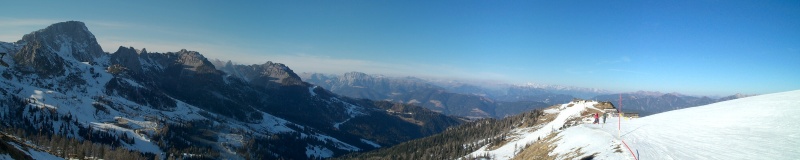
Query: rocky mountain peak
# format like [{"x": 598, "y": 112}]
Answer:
[
  {"x": 45, "y": 51},
  {"x": 192, "y": 59},
  {"x": 268, "y": 74},
  {"x": 70, "y": 37},
  {"x": 355, "y": 74},
  {"x": 356, "y": 78},
  {"x": 280, "y": 72},
  {"x": 133, "y": 92},
  {"x": 128, "y": 57},
  {"x": 143, "y": 51},
  {"x": 228, "y": 64}
]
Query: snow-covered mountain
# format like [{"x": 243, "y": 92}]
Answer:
[
  {"x": 758, "y": 127},
  {"x": 518, "y": 92},
  {"x": 362, "y": 85},
  {"x": 59, "y": 87},
  {"x": 580, "y": 92},
  {"x": 424, "y": 93},
  {"x": 506, "y": 99}
]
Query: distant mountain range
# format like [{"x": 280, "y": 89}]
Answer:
[
  {"x": 649, "y": 103},
  {"x": 64, "y": 96},
  {"x": 416, "y": 91},
  {"x": 492, "y": 100},
  {"x": 59, "y": 87}
]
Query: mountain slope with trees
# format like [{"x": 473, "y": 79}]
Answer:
[
  {"x": 456, "y": 142},
  {"x": 425, "y": 93},
  {"x": 59, "y": 83}
]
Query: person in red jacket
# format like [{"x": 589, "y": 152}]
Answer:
[{"x": 596, "y": 118}]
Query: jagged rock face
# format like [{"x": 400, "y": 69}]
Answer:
[
  {"x": 358, "y": 79},
  {"x": 127, "y": 57},
  {"x": 279, "y": 72},
  {"x": 193, "y": 61},
  {"x": 406, "y": 90},
  {"x": 268, "y": 74},
  {"x": 35, "y": 57},
  {"x": 183, "y": 63},
  {"x": 72, "y": 38},
  {"x": 362, "y": 85},
  {"x": 182, "y": 89}
]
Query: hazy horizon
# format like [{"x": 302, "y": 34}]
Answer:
[{"x": 691, "y": 47}]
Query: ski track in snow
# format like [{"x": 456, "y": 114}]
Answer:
[{"x": 373, "y": 144}]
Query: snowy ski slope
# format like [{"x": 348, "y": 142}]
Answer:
[{"x": 759, "y": 127}]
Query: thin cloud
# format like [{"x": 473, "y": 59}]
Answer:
[
  {"x": 211, "y": 51},
  {"x": 131, "y": 30},
  {"x": 112, "y": 34},
  {"x": 12, "y": 29},
  {"x": 111, "y": 45},
  {"x": 301, "y": 63},
  {"x": 12, "y": 22},
  {"x": 112, "y": 24},
  {"x": 9, "y": 38},
  {"x": 623, "y": 59},
  {"x": 579, "y": 72},
  {"x": 629, "y": 71},
  {"x": 325, "y": 64}
]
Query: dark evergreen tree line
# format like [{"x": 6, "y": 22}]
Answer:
[{"x": 455, "y": 142}]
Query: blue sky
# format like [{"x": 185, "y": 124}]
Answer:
[{"x": 692, "y": 47}]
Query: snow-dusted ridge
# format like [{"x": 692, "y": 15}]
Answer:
[
  {"x": 58, "y": 81},
  {"x": 522, "y": 136},
  {"x": 78, "y": 104},
  {"x": 758, "y": 127}
]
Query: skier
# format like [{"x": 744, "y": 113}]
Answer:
[
  {"x": 596, "y": 118},
  {"x": 605, "y": 115}
]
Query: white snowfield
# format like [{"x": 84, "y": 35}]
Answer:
[{"x": 758, "y": 127}]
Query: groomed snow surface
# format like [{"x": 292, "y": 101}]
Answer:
[{"x": 759, "y": 127}]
